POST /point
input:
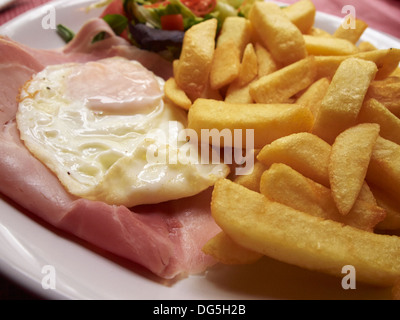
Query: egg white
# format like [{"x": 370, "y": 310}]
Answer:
[{"x": 100, "y": 154}]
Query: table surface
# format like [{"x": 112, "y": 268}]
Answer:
[
  {"x": 381, "y": 15},
  {"x": 10, "y": 290}
]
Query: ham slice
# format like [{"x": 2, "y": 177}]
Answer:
[
  {"x": 165, "y": 238},
  {"x": 16, "y": 67},
  {"x": 81, "y": 49}
]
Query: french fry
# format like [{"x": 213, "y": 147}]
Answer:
[
  {"x": 351, "y": 34},
  {"x": 175, "y": 65},
  {"x": 238, "y": 94},
  {"x": 252, "y": 181},
  {"x": 328, "y": 46},
  {"x": 325, "y": 113},
  {"x": 265, "y": 62},
  {"x": 348, "y": 163},
  {"x": 386, "y": 61},
  {"x": 372, "y": 111},
  {"x": 392, "y": 209},
  {"x": 365, "y": 46},
  {"x": 233, "y": 38},
  {"x": 225, "y": 66},
  {"x": 193, "y": 68},
  {"x": 384, "y": 167},
  {"x": 302, "y": 14},
  {"x": 226, "y": 251},
  {"x": 396, "y": 72},
  {"x": 236, "y": 29},
  {"x": 210, "y": 93},
  {"x": 269, "y": 121},
  {"x": 366, "y": 195},
  {"x": 387, "y": 92},
  {"x": 295, "y": 237},
  {"x": 318, "y": 32},
  {"x": 176, "y": 94},
  {"x": 285, "y": 185},
  {"x": 342, "y": 103},
  {"x": 278, "y": 34},
  {"x": 327, "y": 65},
  {"x": 282, "y": 84},
  {"x": 314, "y": 94},
  {"x": 249, "y": 66},
  {"x": 304, "y": 152},
  {"x": 238, "y": 91}
]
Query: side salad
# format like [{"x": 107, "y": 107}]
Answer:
[{"x": 160, "y": 25}]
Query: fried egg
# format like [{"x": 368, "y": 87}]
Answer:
[{"x": 94, "y": 125}]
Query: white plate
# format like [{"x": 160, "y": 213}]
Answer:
[{"x": 83, "y": 272}]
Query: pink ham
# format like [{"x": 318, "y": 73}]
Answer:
[
  {"x": 165, "y": 238},
  {"x": 81, "y": 49},
  {"x": 16, "y": 67}
]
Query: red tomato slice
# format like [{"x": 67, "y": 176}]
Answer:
[
  {"x": 172, "y": 22},
  {"x": 200, "y": 7},
  {"x": 115, "y": 7}
]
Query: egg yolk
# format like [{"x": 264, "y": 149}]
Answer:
[{"x": 114, "y": 86}]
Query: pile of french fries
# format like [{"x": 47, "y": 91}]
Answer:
[{"x": 325, "y": 109}]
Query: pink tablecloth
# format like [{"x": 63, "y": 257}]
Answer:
[
  {"x": 18, "y": 7},
  {"x": 382, "y": 15}
]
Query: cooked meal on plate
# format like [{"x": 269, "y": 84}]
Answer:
[{"x": 179, "y": 134}]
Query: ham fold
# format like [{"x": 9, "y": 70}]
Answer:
[{"x": 166, "y": 238}]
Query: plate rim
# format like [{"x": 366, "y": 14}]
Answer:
[{"x": 14, "y": 272}]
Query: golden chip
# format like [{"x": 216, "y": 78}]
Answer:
[
  {"x": 279, "y": 86},
  {"x": 302, "y": 14},
  {"x": 372, "y": 111},
  {"x": 193, "y": 68},
  {"x": 285, "y": 185},
  {"x": 304, "y": 152},
  {"x": 313, "y": 96},
  {"x": 279, "y": 35},
  {"x": 233, "y": 38},
  {"x": 266, "y": 122},
  {"x": 226, "y": 251},
  {"x": 342, "y": 103},
  {"x": 176, "y": 94},
  {"x": 328, "y": 46},
  {"x": 351, "y": 34},
  {"x": 249, "y": 66},
  {"x": 295, "y": 237},
  {"x": 384, "y": 167},
  {"x": 348, "y": 163}
]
